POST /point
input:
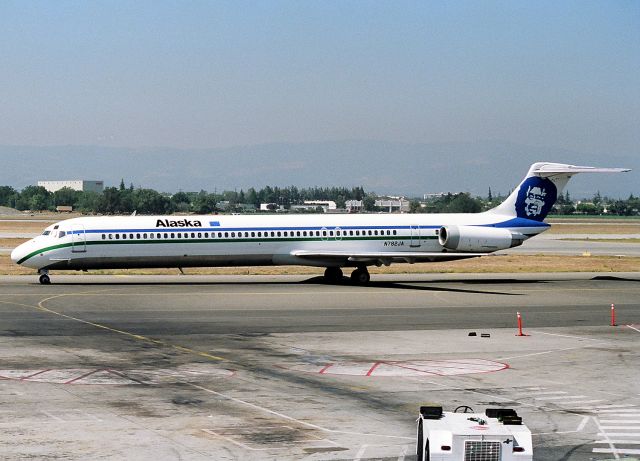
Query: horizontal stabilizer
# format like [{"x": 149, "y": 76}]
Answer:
[{"x": 547, "y": 169}]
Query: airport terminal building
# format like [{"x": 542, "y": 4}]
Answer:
[{"x": 79, "y": 184}]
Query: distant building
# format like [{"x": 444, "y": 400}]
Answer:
[
  {"x": 327, "y": 205},
  {"x": 400, "y": 204},
  {"x": 80, "y": 184},
  {"x": 353, "y": 206}
]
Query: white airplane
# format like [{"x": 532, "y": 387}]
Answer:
[{"x": 332, "y": 241}]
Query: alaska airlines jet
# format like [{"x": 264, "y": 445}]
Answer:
[{"x": 332, "y": 241}]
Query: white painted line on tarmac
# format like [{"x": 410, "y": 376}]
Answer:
[
  {"x": 583, "y": 423},
  {"x": 622, "y": 410},
  {"x": 53, "y": 416},
  {"x": 620, "y": 427},
  {"x": 627, "y": 421},
  {"x": 628, "y": 442},
  {"x": 618, "y": 451},
  {"x": 612, "y": 447},
  {"x": 583, "y": 402},
  {"x": 601, "y": 407},
  {"x": 580, "y": 428},
  {"x": 550, "y": 393},
  {"x": 559, "y": 397},
  {"x": 620, "y": 434},
  {"x": 585, "y": 338},
  {"x": 291, "y": 418},
  {"x": 360, "y": 453},
  {"x": 548, "y": 352},
  {"x": 633, "y": 328}
]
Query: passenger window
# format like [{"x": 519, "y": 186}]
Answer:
[
  {"x": 273, "y": 234},
  {"x": 219, "y": 234},
  {"x": 394, "y": 232},
  {"x": 375, "y": 232},
  {"x": 324, "y": 233},
  {"x": 199, "y": 234},
  {"x": 144, "y": 235},
  {"x": 179, "y": 235},
  {"x": 117, "y": 236},
  {"x": 259, "y": 234},
  {"x": 131, "y": 236},
  {"x": 138, "y": 236},
  {"x": 253, "y": 234},
  {"x": 159, "y": 235},
  {"x": 166, "y": 235},
  {"x": 285, "y": 233},
  {"x": 104, "y": 237},
  {"x": 233, "y": 234},
  {"x": 151, "y": 236},
  {"x": 206, "y": 235},
  {"x": 124, "y": 236},
  {"x": 298, "y": 233},
  {"x": 338, "y": 233}
]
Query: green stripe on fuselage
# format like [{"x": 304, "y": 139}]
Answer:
[{"x": 218, "y": 240}]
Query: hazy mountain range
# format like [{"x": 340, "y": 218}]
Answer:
[{"x": 384, "y": 167}]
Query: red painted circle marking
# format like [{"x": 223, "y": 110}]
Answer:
[{"x": 409, "y": 368}]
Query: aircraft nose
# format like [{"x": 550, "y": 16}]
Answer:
[{"x": 18, "y": 253}]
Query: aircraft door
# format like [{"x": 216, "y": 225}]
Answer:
[
  {"x": 79, "y": 240},
  {"x": 415, "y": 236}
]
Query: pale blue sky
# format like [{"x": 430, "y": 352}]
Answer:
[{"x": 215, "y": 74}]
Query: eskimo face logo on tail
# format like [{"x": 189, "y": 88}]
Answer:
[{"x": 535, "y": 198}]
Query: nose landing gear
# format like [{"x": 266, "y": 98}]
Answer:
[{"x": 44, "y": 278}]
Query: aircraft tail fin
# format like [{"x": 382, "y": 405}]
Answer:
[{"x": 539, "y": 190}]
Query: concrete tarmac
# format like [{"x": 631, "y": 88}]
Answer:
[{"x": 286, "y": 367}]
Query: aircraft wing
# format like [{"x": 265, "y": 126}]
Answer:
[{"x": 386, "y": 257}]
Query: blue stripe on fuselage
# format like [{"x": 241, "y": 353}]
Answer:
[{"x": 515, "y": 222}]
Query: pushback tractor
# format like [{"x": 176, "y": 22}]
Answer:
[{"x": 498, "y": 434}]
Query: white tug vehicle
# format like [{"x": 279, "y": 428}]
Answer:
[{"x": 462, "y": 435}]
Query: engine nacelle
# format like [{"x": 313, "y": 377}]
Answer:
[{"x": 478, "y": 239}]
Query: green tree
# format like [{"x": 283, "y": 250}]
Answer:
[
  {"x": 66, "y": 196},
  {"x": 205, "y": 203},
  {"x": 8, "y": 196},
  {"x": 34, "y": 198}
]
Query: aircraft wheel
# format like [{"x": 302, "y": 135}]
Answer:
[
  {"x": 44, "y": 279},
  {"x": 333, "y": 274},
  {"x": 360, "y": 276}
]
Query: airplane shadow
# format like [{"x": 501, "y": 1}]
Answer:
[
  {"x": 416, "y": 285},
  {"x": 412, "y": 285}
]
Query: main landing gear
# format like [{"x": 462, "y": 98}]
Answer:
[
  {"x": 44, "y": 278},
  {"x": 333, "y": 275},
  {"x": 359, "y": 276}
]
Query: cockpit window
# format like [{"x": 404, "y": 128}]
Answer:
[
  {"x": 61, "y": 234},
  {"x": 47, "y": 232}
]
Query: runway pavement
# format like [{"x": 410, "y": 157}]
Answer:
[{"x": 286, "y": 367}]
